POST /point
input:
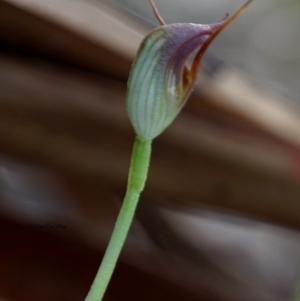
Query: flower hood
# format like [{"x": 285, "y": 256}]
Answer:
[{"x": 160, "y": 81}]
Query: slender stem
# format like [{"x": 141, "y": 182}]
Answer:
[
  {"x": 296, "y": 296},
  {"x": 136, "y": 181}
]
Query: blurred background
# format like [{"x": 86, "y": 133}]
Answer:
[{"x": 220, "y": 216}]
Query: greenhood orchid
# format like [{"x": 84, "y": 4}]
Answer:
[
  {"x": 160, "y": 81},
  {"x": 159, "y": 85}
]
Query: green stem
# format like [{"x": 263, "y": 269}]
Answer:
[
  {"x": 136, "y": 181},
  {"x": 296, "y": 297}
]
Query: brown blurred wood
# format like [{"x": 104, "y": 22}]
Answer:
[
  {"x": 93, "y": 37},
  {"x": 267, "y": 109},
  {"x": 40, "y": 265}
]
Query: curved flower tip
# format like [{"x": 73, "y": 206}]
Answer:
[{"x": 160, "y": 81}]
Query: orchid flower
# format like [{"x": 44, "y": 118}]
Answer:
[
  {"x": 160, "y": 81},
  {"x": 159, "y": 85}
]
